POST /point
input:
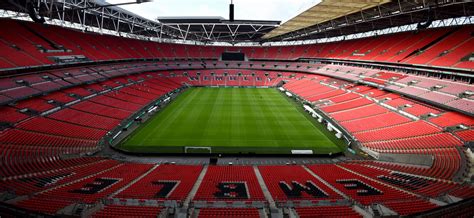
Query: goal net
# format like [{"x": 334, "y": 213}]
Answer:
[{"x": 199, "y": 150}]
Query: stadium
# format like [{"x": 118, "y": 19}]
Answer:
[{"x": 349, "y": 108}]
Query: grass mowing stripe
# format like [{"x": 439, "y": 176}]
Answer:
[{"x": 230, "y": 120}]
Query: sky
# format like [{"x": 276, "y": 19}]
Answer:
[{"x": 280, "y": 10}]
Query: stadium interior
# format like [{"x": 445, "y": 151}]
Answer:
[{"x": 352, "y": 108}]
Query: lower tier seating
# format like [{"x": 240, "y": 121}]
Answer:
[
  {"x": 128, "y": 211},
  {"x": 228, "y": 212},
  {"x": 88, "y": 190},
  {"x": 410, "y": 129},
  {"x": 95, "y": 180},
  {"x": 55, "y": 127},
  {"x": 28, "y": 138},
  {"x": 367, "y": 191},
  {"x": 466, "y": 135},
  {"x": 446, "y": 162},
  {"x": 166, "y": 182},
  {"x": 62, "y": 172},
  {"x": 85, "y": 119},
  {"x": 229, "y": 183},
  {"x": 327, "y": 211},
  {"x": 437, "y": 140},
  {"x": 423, "y": 186},
  {"x": 38, "y": 152},
  {"x": 294, "y": 183}
]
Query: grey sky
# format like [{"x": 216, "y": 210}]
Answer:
[{"x": 244, "y": 9}]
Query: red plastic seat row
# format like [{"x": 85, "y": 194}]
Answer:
[
  {"x": 374, "y": 122},
  {"x": 62, "y": 173},
  {"x": 363, "y": 190},
  {"x": 228, "y": 212},
  {"x": 327, "y": 211},
  {"x": 437, "y": 140},
  {"x": 128, "y": 211},
  {"x": 80, "y": 191},
  {"x": 56, "y": 127},
  {"x": 233, "y": 177},
  {"x": 446, "y": 162},
  {"x": 276, "y": 176},
  {"x": 180, "y": 178},
  {"x": 405, "y": 130},
  {"x": 85, "y": 119}
]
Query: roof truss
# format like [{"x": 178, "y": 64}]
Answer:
[
  {"x": 390, "y": 14},
  {"x": 91, "y": 13},
  {"x": 322, "y": 12}
]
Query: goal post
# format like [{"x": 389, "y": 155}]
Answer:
[{"x": 196, "y": 149}]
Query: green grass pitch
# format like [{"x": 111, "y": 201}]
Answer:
[{"x": 232, "y": 120}]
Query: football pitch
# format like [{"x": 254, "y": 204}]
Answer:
[{"x": 232, "y": 120}]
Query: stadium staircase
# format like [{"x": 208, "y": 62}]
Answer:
[
  {"x": 326, "y": 183},
  {"x": 134, "y": 181},
  {"x": 264, "y": 188},
  {"x": 196, "y": 186},
  {"x": 54, "y": 46}
]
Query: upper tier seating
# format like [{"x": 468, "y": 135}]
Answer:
[
  {"x": 451, "y": 47},
  {"x": 448, "y": 51}
]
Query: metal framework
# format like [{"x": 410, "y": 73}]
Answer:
[
  {"x": 217, "y": 29},
  {"x": 91, "y": 15},
  {"x": 391, "y": 17},
  {"x": 324, "y": 11},
  {"x": 458, "y": 21},
  {"x": 95, "y": 16},
  {"x": 392, "y": 14}
]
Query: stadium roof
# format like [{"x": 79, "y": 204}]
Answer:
[
  {"x": 217, "y": 28},
  {"x": 99, "y": 14},
  {"x": 322, "y": 12},
  {"x": 329, "y": 19},
  {"x": 385, "y": 14}
]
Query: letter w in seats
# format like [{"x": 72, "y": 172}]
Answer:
[{"x": 295, "y": 192}]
